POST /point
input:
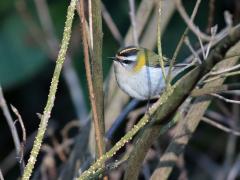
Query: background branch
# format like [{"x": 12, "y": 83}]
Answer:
[{"x": 13, "y": 130}]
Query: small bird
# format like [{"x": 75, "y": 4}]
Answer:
[{"x": 139, "y": 74}]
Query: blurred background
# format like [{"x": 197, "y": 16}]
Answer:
[{"x": 29, "y": 43}]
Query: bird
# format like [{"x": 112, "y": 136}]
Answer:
[{"x": 138, "y": 72}]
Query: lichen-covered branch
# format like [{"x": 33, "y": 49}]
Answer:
[
  {"x": 52, "y": 92},
  {"x": 151, "y": 133},
  {"x": 186, "y": 128}
]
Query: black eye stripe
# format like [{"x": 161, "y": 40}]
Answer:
[{"x": 127, "y": 62}]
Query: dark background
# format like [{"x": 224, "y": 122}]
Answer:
[{"x": 26, "y": 70}]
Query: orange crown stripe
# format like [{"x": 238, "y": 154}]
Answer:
[{"x": 126, "y": 50}]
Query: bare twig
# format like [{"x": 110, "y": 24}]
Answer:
[
  {"x": 220, "y": 126},
  {"x": 181, "y": 41},
  {"x": 23, "y": 133},
  {"x": 226, "y": 88},
  {"x": 234, "y": 171},
  {"x": 148, "y": 37},
  {"x": 142, "y": 16},
  {"x": 237, "y": 66},
  {"x": 133, "y": 21},
  {"x": 13, "y": 129},
  {"x": 1, "y": 175},
  {"x": 213, "y": 34},
  {"x": 70, "y": 76},
  {"x": 111, "y": 25},
  {"x": 92, "y": 97},
  {"x": 187, "y": 42},
  {"x": 225, "y": 99},
  {"x": 68, "y": 127},
  {"x": 90, "y": 20},
  {"x": 211, "y": 12},
  {"x": 189, "y": 22},
  {"x": 21, "y": 123},
  {"x": 222, "y": 76},
  {"x": 159, "y": 45}
]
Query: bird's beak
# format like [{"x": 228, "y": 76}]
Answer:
[{"x": 113, "y": 58}]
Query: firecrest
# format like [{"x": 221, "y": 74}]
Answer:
[{"x": 139, "y": 74}]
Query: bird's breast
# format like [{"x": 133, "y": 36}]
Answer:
[{"x": 142, "y": 84}]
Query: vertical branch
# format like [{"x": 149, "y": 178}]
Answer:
[
  {"x": 133, "y": 21},
  {"x": 97, "y": 70},
  {"x": 69, "y": 74},
  {"x": 16, "y": 140},
  {"x": 94, "y": 82},
  {"x": 159, "y": 41},
  {"x": 52, "y": 92},
  {"x": 111, "y": 25},
  {"x": 211, "y": 12},
  {"x": 90, "y": 23}
]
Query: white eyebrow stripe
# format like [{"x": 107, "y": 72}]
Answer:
[{"x": 131, "y": 58}]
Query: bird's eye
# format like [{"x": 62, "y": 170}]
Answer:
[{"x": 127, "y": 61}]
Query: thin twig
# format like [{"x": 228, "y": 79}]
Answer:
[
  {"x": 92, "y": 97},
  {"x": 213, "y": 34},
  {"x": 222, "y": 76},
  {"x": 23, "y": 133},
  {"x": 226, "y": 88},
  {"x": 189, "y": 22},
  {"x": 220, "y": 126},
  {"x": 188, "y": 43},
  {"x": 180, "y": 43},
  {"x": 111, "y": 25},
  {"x": 52, "y": 92},
  {"x": 235, "y": 169},
  {"x": 69, "y": 74},
  {"x": 225, "y": 99},
  {"x": 159, "y": 42},
  {"x": 13, "y": 129},
  {"x": 211, "y": 12},
  {"x": 225, "y": 70},
  {"x": 90, "y": 20},
  {"x": 21, "y": 123},
  {"x": 133, "y": 21},
  {"x": 1, "y": 175}
]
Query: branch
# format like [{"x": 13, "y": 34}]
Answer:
[
  {"x": 159, "y": 45},
  {"x": 180, "y": 43},
  {"x": 215, "y": 89},
  {"x": 186, "y": 128},
  {"x": 96, "y": 105},
  {"x": 97, "y": 71},
  {"x": 189, "y": 22},
  {"x": 133, "y": 21},
  {"x": 151, "y": 133},
  {"x": 111, "y": 25},
  {"x": 225, "y": 99},
  {"x": 1, "y": 175},
  {"x": 220, "y": 126},
  {"x": 52, "y": 92},
  {"x": 13, "y": 129},
  {"x": 69, "y": 74}
]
